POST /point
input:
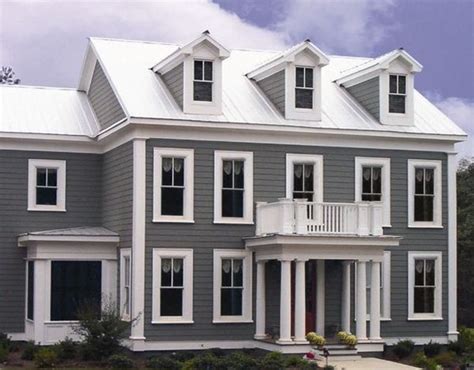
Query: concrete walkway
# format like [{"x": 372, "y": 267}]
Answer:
[{"x": 369, "y": 363}]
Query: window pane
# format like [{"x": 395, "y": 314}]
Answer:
[
  {"x": 31, "y": 290},
  {"x": 366, "y": 180},
  {"x": 41, "y": 176},
  {"x": 226, "y": 272},
  {"x": 208, "y": 71},
  {"x": 372, "y": 197},
  {"x": 308, "y": 177},
  {"x": 393, "y": 84},
  {"x": 73, "y": 285},
  {"x": 376, "y": 180},
  {"x": 419, "y": 179},
  {"x": 172, "y": 201},
  {"x": 202, "y": 91},
  {"x": 430, "y": 272},
  {"x": 419, "y": 272},
  {"x": 46, "y": 196},
  {"x": 178, "y": 272},
  {"x": 166, "y": 171},
  {"x": 171, "y": 302},
  {"x": 396, "y": 103},
  {"x": 304, "y": 98},
  {"x": 239, "y": 174},
  {"x": 299, "y": 77},
  {"x": 52, "y": 177},
  {"x": 231, "y": 301},
  {"x": 429, "y": 181},
  {"x": 423, "y": 208},
  {"x": 178, "y": 172},
  {"x": 424, "y": 300},
  {"x": 232, "y": 203},
  {"x": 401, "y": 84},
  {"x": 166, "y": 265},
  {"x": 227, "y": 173},
  {"x": 309, "y": 77},
  {"x": 237, "y": 272},
  {"x": 298, "y": 177},
  {"x": 198, "y": 70}
]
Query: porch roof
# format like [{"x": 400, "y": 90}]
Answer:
[{"x": 75, "y": 234}]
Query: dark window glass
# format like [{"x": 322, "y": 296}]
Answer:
[
  {"x": 166, "y": 171},
  {"x": 396, "y": 99},
  {"x": 233, "y": 188},
  {"x": 46, "y": 186},
  {"x": 397, "y": 104},
  {"x": 424, "y": 300},
  {"x": 75, "y": 284},
  {"x": 31, "y": 290},
  {"x": 300, "y": 77},
  {"x": 424, "y": 285},
  {"x": 371, "y": 183},
  {"x": 172, "y": 186},
  {"x": 171, "y": 291},
  {"x": 202, "y": 91},
  {"x": 231, "y": 302},
  {"x": 232, "y": 203},
  {"x": 303, "y": 181},
  {"x": 208, "y": 71},
  {"x": 309, "y": 77},
  {"x": 232, "y": 286},
  {"x": 198, "y": 66},
  {"x": 402, "y": 84},
  {"x": 304, "y": 88},
  {"x": 41, "y": 176},
  {"x": 304, "y": 98},
  {"x": 393, "y": 84},
  {"x": 171, "y": 302},
  {"x": 423, "y": 208},
  {"x": 429, "y": 183},
  {"x": 46, "y": 196},
  {"x": 424, "y": 194},
  {"x": 166, "y": 271},
  {"x": 52, "y": 177}
]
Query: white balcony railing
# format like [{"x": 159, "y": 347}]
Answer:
[{"x": 301, "y": 217}]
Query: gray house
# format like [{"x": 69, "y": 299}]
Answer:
[{"x": 233, "y": 199}]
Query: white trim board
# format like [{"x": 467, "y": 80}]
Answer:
[
  {"x": 60, "y": 167},
  {"x": 452, "y": 248}
]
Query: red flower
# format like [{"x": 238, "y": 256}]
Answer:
[{"x": 310, "y": 355}]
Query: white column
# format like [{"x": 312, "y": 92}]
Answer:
[
  {"x": 260, "y": 309},
  {"x": 452, "y": 253},
  {"x": 361, "y": 319},
  {"x": 346, "y": 297},
  {"x": 41, "y": 298},
  {"x": 320, "y": 297},
  {"x": 285, "y": 303},
  {"x": 375, "y": 302},
  {"x": 300, "y": 302}
]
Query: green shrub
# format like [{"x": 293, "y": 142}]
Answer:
[
  {"x": 163, "y": 363},
  {"x": 329, "y": 367},
  {"x": 420, "y": 360},
  {"x": 3, "y": 354},
  {"x": 239, "y": 361},
  {"x": 205, "y": 361},
  {"x": 66, "y": 349},
  {"x": 447, "y": 359},
  {"x": 456, "y": 347},
  {"x": 403, "y": 348},
  {"x": 466, "y": 336},
  {"x": 120, "y": 362},
  {"x": 273, "y": 361},
  {"x": 29, "y": 351},
  {"x": 432, "y": 349},
  {"x": 45, "y": 358},
  {"x": 5, "y": 341},
  {"x": 296, "y": 362}
]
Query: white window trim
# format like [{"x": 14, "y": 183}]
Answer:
[
  {"x": 247, "y": 157},
  {"x": 438, "y": 194},
  {"x": 60, "y": 166},
  {"x": 386, "y": 197},
  {"x": 188, "y": 194},
  {"x": 204, "y": 102},
  {"x": 385, "y": 313},
  {"x": 187, "y": 255},
  {"x": 397, "y": 93},
  {"x": 125, "y": 252},
  {"x": 437, "y": 315},
  {"x": 305, "y": 88},
  {"x": 246, "y": 316},
  {"x": 318, "y": 171}
]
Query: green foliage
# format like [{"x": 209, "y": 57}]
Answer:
[
  {"x": 120, "y": 362},
  {"x": 239, "y": 361},
  {"x": 456, "y": 347},
  {"x": 45, "y": 358},
  {"x": 29, "y": 351},
  {"x": 403, "y": 348},
  {"x": 273, "y": 361},
  {"x": 3, "y": 354},
  {"x": 466, "y": 337},
  {"x": 5, "y": 341},
  {"x": 66, "y": 349},
  {"x": 447, "y": 359},
  {"x": 297, "y": 362},
  {"x": 205, "y": 361},
  {"x": 432, "y": 349},
  {"x": 420, "y": 360},
  {"x": 163, "y": 363}
]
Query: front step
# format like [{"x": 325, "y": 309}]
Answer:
[{"x": 340, "y": 352}]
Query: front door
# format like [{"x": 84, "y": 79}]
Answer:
[{"x": 310, "y": 297}]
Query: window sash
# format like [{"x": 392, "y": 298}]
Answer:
[
  {"x": 205, "y": 66},
  {"x": 398, "y": 94}
]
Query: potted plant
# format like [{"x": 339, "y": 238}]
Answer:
[
  {"x": 346, "y": 338},
  {"x": 315, "y": 339}
]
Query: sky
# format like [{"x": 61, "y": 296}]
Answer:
[{"x": 45, "y": 41}]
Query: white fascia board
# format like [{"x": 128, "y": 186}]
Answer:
[
  {"x": 415, "y": 65},
  {"x": 223, "y": 51},
  {"x": 87, "y": 68},
  {"x": 169, "y": 62},
  {"x": 25, "y": 240}
]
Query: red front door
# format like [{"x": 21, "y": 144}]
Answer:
[{"x": 310, "y": 295}]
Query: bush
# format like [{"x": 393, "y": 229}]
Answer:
[
  {"x": 5, "y": 341},
  {"x": 432, "y": 349},
  {"x": 3, "y": 354},
  {"x": 239, "y": 361},
  {"x": 456, "y": 347},
  {"x": 163, "y": 363},
  {"x": 447, "y": 359},
  {"x": 120, "y": 362},
  {"x": 315, "y": 339},
  {"x": 403, "y": 348},
  {"x": 424, "y": 362},
  {"x": 29, "y": 351},
  {"x": 296, "y": 362},
  {"x": 45, "y": 358},
  {"x": 273, "y": 361},
  {"x": 466, "y": 336},
  {"x": 66, "y": 349},
  {"x": 206, "y": 361}
]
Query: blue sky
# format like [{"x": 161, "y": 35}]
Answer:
[{"x": 45, "y": 41}]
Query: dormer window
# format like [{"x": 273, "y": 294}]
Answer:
[
  {"x": 304, "y": 88},
  {"x": 397, "y": 94},
  {"x": 202, "y": 86}
]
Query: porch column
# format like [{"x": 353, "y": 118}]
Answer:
[
  {"x": 320, "y": 297},
  {"x": 285, "y": 303},
  {"x": 375, "y": 302},
  {"x": 361, "y": 324},
  {"x": 346, "y": 297},
  {"x": 300, "y": 302},
  {"x": 260, "y": 309}
]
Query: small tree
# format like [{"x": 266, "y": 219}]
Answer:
[{"x": 7, "y": 76}]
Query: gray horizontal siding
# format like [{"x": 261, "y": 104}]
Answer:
[
  {"x": 174, "y": 81},
  {"x": 83, "y": 204},
  {"x": 269, "y": 184},
  {"x": 274, "y": 88},
  {"x": 104, "y": 102},
  {"x": 367, "y": 94}
]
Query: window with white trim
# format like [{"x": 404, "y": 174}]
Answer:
[
  {"x": 424, "y": 202},
  {"x": 304, "y": 87},
  {"x": 125, "y": 283},
  {"x": 397, "y": 93},
  {"x": 232, "y": 286},
  {"x": 46, "y": 185},
  {"x": 372, "y": 183},
  {"x": 304, "y": 177},
  {"x": 173, "y": 188},
  {"x": 203, "y": 80},
  {"x": 172, "y": 286},
  {"x": 424, "y": 285},
  {"x": 233, "y": 187}
]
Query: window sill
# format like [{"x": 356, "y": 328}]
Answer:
[
  {"x": 232, "y": 321},
  {"x": 177, "y": 321},
  {"x": 421, "y": 226},
  {"x": 65, "y": 322},
  {"x": 424, "y": 318},
  {"x": 46, "y": 209},
  {"x": 233, "y": 222},
  {"x": 381, "y": 319},
  {"x": 171, "y": 221}
]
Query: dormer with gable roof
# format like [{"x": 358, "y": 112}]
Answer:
[
  {"x": 193, "y": 75},
  {"x": 292, "y": 81},
  {"x": 385, "y": 86}
]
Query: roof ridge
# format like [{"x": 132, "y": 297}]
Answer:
[
  {"x": 40, "y": 87},
  {"x": 129, "y": 40}
]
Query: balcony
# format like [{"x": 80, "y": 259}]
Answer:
[{"x": 301, "y": 217}]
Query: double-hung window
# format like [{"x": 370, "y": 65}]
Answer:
[
  {"x": 397, "y": 94},
  {"x": 424, "y": 200},
  {"x": 371, "y": 183},
  {"x": 172, "y": 285},
  {"x": 304, "y": 177},
  {"x": 125, "y": 282},
  {"x": 424, "y": 285},
  {"x": 232, "y": 286},
  {"x": 233, "y": 187},
  {"x": 203, "y": 80},
  {"x": 303, "y": 181},
  {"x": 304, "y": 87},
  {"x": 173, "y": 185},
  {"x": 46, "y": 185}
]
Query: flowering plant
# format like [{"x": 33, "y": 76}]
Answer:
[
  {"x": 347, "y": 338},
  {"x": 315, "y": 339}
]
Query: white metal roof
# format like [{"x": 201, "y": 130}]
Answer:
[
  {"x": 75, "y": 231},
  {"x": 128, "y": 64},
  {"x": 44, "y": 110}
]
